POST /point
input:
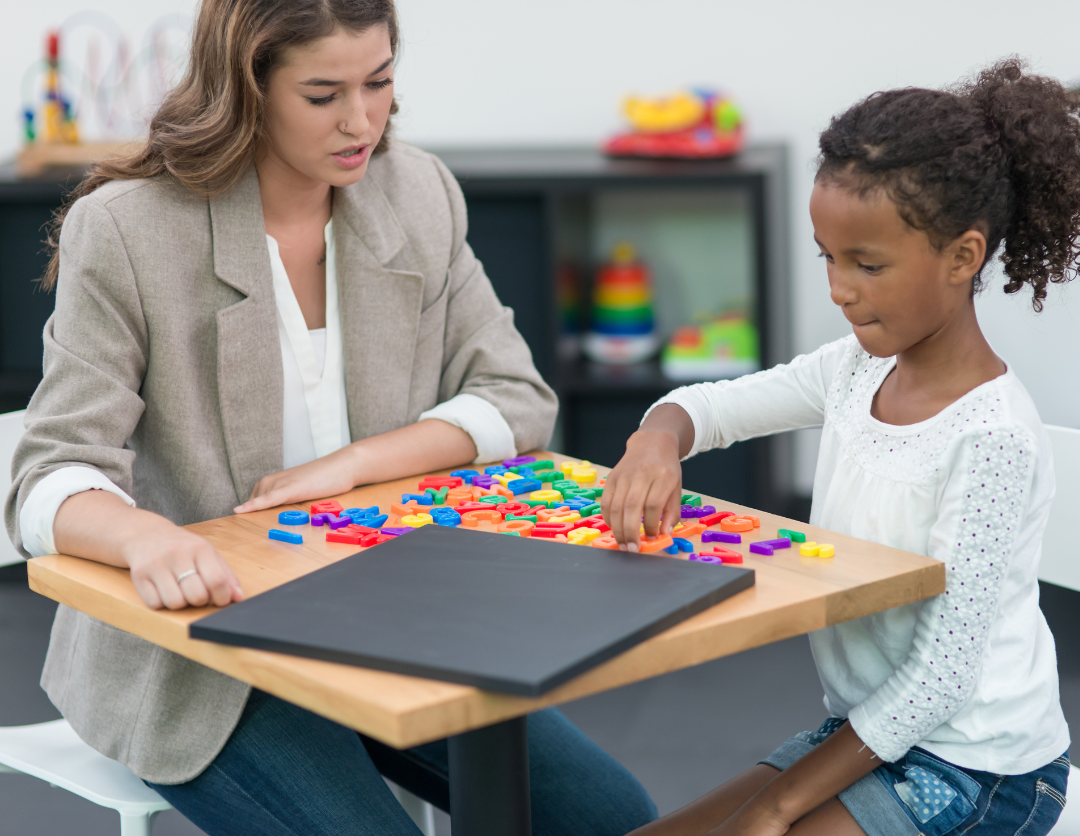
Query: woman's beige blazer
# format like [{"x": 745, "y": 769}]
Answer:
[{"x": 163, "y": 370}]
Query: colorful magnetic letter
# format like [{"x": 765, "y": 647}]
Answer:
[
  {"x": 286, "y": 536},
  {"x": 721, "y": 537},
  {"x": 519, "y": 486}
]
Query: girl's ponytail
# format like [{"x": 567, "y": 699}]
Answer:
[
  {"x": 1035, "y": 119},
  {"x": 1000, "y": 153}
]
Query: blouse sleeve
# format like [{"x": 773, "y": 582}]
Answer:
[
  {"x": 982, "y": 508},
  {"x": 786, "y": 397},
  {"x": 485, "y": 425},
  {"x": 40, "y": 508}
]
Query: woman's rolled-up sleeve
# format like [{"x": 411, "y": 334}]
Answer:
[{"x": 95, "y": 347}]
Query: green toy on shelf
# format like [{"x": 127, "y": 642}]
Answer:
[{"x": 721, "y": 348}]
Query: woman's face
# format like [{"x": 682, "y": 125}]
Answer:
[{"x": 327, "y": 105}]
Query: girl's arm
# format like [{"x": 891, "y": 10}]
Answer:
[
  {"x": 648, "y": 479},
  {"x": 980, "y": 515},
  {"x": 832, "y": 767}
]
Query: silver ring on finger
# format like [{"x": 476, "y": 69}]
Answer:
[{"x": 184, "y": 575}]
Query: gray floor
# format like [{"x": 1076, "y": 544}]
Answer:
[{"x": 681, "y": 734}]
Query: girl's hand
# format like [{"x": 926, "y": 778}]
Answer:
[
  {"x": 648, "y": 478},
  {"x": 329, "y": 476},
  {"x": 752, "y": 820},
  {"x": 646, "y": 481}
]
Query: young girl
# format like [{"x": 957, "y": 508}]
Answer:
[{"x": 944, "y": 713}]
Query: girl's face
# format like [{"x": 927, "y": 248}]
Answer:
[
  {"x": 893, "y": 286},
  {"x": 327, "y": 105}
]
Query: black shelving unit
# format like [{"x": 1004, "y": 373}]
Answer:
[{"x": 529, "y": 208}]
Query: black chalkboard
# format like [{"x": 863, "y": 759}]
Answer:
[{"x": 508, "y": 614}]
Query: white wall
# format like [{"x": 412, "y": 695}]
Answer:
[{"x": 506, "y": 71}]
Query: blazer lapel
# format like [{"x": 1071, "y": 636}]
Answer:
[
  {"x": 380, "y": 309},
  {"x": 250, "y": 378}
]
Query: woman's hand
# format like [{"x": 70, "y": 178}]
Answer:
[
  {"x": 170, "y": 566},
  {"x": 173, "y": 568},
  {"x": 647, "y": 481},
  {"x": 329, "y": 476}
]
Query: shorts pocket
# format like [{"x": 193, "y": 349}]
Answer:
[
  {"x": 925, "y": 794},
  {"x": 1044, "y": 815},
  {"x": 936, "y": 795}
]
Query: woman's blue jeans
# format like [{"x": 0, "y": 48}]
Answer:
[{"x": 288, "y": 772}]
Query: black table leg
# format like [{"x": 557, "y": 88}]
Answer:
[{"x": 489, "y": 781}]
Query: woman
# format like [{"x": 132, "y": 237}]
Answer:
[{"x": 271, "y": 302}]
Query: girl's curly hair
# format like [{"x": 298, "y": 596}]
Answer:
[{"x": 999, "y": 153}]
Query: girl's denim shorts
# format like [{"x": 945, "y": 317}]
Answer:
[{"x": 937, "y": 798}]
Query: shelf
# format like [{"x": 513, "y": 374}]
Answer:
[
  {"x": 577, "y": 166},
  {"x": 585, "y": 376}
]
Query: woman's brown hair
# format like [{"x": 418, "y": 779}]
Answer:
[{"x": 208, "y": 127}]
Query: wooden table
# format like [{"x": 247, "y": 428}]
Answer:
[{"x": 489, "y": 775}]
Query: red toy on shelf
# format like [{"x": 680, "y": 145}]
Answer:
[{"x": 691, "y": 124}]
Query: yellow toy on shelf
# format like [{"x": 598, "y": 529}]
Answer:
[
  {"x": 57, "y": 124},
  {"x": 688, "y": 124},
  {"x": 674, "y": 113}
]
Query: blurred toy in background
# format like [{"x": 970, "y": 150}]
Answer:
[
  {"x": 90, "y": 84},
  {"x": 54, "y": 117},
  {"x": 568, "y": 299},
  {"x": 623, "y": 330},
  {"x": 690, "y": 124},
  {"x": 723, "y": 347}
]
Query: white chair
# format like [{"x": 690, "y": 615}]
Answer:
[
  {"x": 11, "y": 430},
  {"x": 54, "y": 753},
  {"x": 422, "y": 813},
  {"x": 1060, "y": 563}
]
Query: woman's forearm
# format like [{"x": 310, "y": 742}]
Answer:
[
  {"x": 170, "y": 566},
  {"x": 418, "y": 448},
  {"x": 97, "y": 525}
]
